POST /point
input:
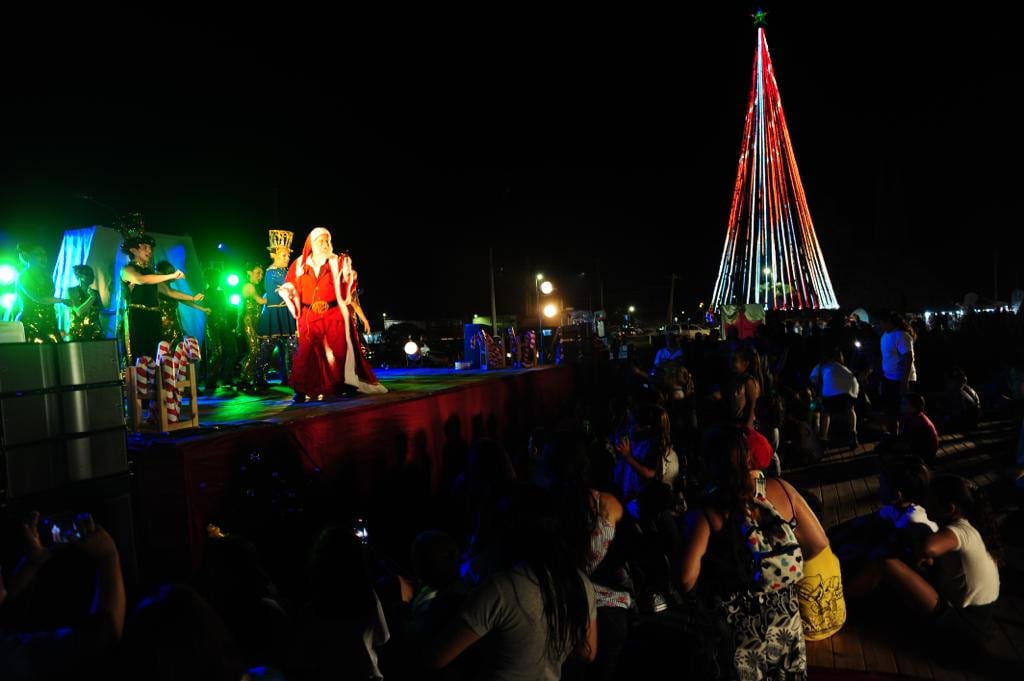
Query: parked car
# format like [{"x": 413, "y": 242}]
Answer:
[{"x": 691, "y": 331}]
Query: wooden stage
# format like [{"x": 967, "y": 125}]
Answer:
[{"x": 367, "y": 452}]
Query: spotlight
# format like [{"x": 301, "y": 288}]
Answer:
[
  {"x": 547, "y": 287},
  {"x": 7, "y": 300},
  {"x": 856, "y": 344},
  {"x": 550, "y": 310},
  {"x": 235, "y": 299},
  {"x": 632, "y": 309},
  {"x": 220, "y": 247},
  {"x": 232, "y": 280},
  {"x": 411, "y": 349},
  {"x": 8, "y": 275}
]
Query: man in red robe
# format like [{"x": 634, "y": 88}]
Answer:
[{"x": 318, "y": 291}]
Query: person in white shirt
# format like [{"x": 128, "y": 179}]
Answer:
[
  {"x": 837, "y": 388},
  {"x": 897, "y": 366}
]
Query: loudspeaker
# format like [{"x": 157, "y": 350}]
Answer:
[
  {"x": 41, "y": 466},
  {"x": 92, "y": 409},
  {"x": 61, "y": 414},
  {"x": 88, "y": 362},
  {"x": 30, "y": 418},
  {"x": 26, "y": 367}
]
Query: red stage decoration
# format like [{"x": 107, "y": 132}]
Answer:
[
  {"x": 771, "y": 257},
  {"x": 746, "y": 319}
]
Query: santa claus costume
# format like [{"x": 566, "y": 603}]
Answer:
[{"x": 318, "y": 291}]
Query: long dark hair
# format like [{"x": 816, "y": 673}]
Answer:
[
  {"x": 653, "y": 425},
  {"x": 567, "y": 469},
  {"x": 730, "y": 468},
  {"x": 753, "y": 360},
  {"x": 973, "y": 504},
  {"x": 898, "y": 322},
  {"x": 340, "y": 578},
  {"x": 543, "y": 540}
]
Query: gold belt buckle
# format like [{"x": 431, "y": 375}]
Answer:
[{"x": 319, "y": 306}]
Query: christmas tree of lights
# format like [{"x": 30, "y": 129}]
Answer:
[{"x": 771, "y": 255}]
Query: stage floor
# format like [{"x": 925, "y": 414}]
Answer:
[{"x": 274, "y": 404}]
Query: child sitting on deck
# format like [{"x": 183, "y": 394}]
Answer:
[
  {"x": 958, "y": 591},
  {"x": 900, "y": 524}
]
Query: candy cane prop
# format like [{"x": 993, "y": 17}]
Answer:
[
  {"x": 145, "y": 372},
  {"x": 168, "y": 381},
  {"x": 192, "y": 351},
  {"x": 530, "y": 349}
]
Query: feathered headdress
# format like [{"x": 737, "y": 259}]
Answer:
[{"x": 133, "y": 232}]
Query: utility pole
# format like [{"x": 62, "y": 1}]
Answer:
[
  {"x": 671, "y": 304},
  {"x": 494, "y": 306}
]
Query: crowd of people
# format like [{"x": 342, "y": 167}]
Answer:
[{"x": 649, "y": 529}]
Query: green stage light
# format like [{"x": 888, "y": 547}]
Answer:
[
  {"x": 8, "y": 275},
  {"x": 235, "y": 299},
  {"x": 7, "y": 300},
  {"x": 232, "y": 280}
]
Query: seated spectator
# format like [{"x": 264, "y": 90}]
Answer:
[
  {"x": 903, "y": 488},
  {"x": 957, "y": 598},
  {"x": 568, "y": 470},
  {"x": 342, "y": 625},
  {"x": 538, "y": 611},
  {"x": 681, "y": 405},
  {"x": 438, "y": 591},
  {"x": 174, "y": 634},
  {"x": 489, "y": 473},
  {"x": 65, "y": 609},
  {"x": 896, "y": 531},
  {"x": 232, "y": 581},
  {"x": 647, "y": 458},
  {"x": 919, "y": 434},
  {"x": 960, "y": 404}
]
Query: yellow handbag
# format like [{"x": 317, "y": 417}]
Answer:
[{"x": 820, "y": 593}]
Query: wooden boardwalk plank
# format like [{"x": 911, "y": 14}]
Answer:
[
  {"x": 846, "y": 648},
  {"x": 878, "y": 656},
  {"x": 909, "y": 663},
  {"x": 819, "y": 654}
]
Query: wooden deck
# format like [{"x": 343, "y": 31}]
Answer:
[{"x": 888, "y": 643}]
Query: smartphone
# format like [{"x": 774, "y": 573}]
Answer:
[
  {"x": 360, "y": 530},
  {"x": 61, "y": 528}
]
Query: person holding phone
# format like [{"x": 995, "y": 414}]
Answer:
[{"x": 30, "y": 651}]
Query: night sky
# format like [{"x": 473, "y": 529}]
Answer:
[{"x": 596, "y": 144}]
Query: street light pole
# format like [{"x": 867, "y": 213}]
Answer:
[{"x": 540, "y": 322}]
